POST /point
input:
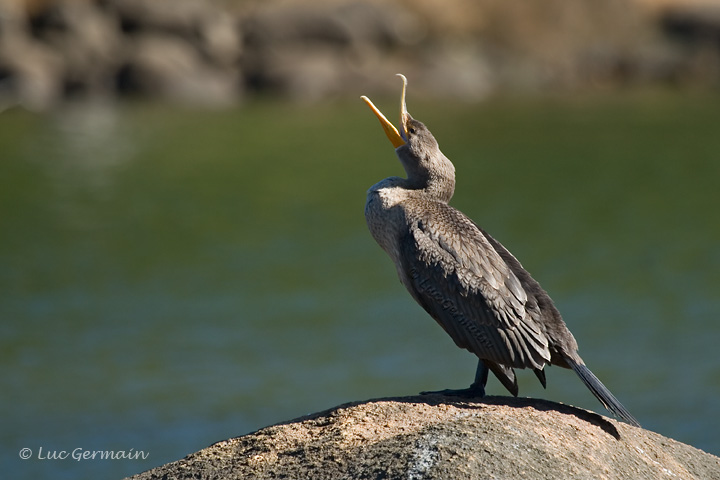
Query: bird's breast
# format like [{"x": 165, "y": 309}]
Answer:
[{"x": 386, "y": 218}]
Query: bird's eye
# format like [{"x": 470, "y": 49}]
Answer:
[{"x": 411, "y": 130}]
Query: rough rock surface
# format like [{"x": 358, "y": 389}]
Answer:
[{"x": 436, "y": 437}]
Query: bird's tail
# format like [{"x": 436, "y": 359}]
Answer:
[
  {"x": 601, "y": 392},
  {"x": 506, "y": 375}
]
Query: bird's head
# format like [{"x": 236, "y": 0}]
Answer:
[
  {"x": 411, "y": 131},
  {"x": 417, "y": 149}
]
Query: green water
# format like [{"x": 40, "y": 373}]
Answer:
[{"x": 170, "y": 278}]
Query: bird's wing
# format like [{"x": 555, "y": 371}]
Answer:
[{"x": 459, "y": 278}]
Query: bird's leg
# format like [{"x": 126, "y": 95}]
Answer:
[
  {"x": 476, "y": 390},
  {"x": 481, "y": 376}
]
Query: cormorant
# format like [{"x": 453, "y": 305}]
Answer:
[{"x": 465, "y": 279}]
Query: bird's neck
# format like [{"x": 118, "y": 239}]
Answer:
[
  {"x": 436, "y": 187},
  {"x": 435, "y": 179}
]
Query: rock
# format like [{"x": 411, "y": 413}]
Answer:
[
  {"x": 310, "y": 52},
  {"x": 695, "y": 27},
  {"x": 182, "y": 50},
  {"x": 213, "y": 31},
  {"x": 87, "y": 41},
  {"x": 28, "y": 69},
  {"x": 164, "y": 66},
  {"x": 436, "y": 437}
]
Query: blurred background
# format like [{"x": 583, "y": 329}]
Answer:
[{"x": 183, "y": 253}]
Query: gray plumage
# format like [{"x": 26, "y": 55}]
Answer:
[{"x": 465, "y": 279}]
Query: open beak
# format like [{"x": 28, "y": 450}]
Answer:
[{"x": 392, "y": 133}]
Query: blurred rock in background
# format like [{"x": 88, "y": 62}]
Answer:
[{"x": 217, "y": 53}]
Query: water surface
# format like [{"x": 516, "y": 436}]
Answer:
[{"x": 170, "y": 278}]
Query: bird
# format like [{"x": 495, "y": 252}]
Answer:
[{"x": 466, "y": 280}]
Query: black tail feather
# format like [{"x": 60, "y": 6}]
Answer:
[
  {"x": 540, "y": 374},
  {"x": 506, "y": 375},
  {"x": 601, "y": 392}
]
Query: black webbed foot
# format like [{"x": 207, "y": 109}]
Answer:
[
  {"x": 476, "y": 390},
  {"x": 473, "y": 391}
]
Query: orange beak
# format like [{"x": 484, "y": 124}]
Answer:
[{"x": 392, "y": 133}]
